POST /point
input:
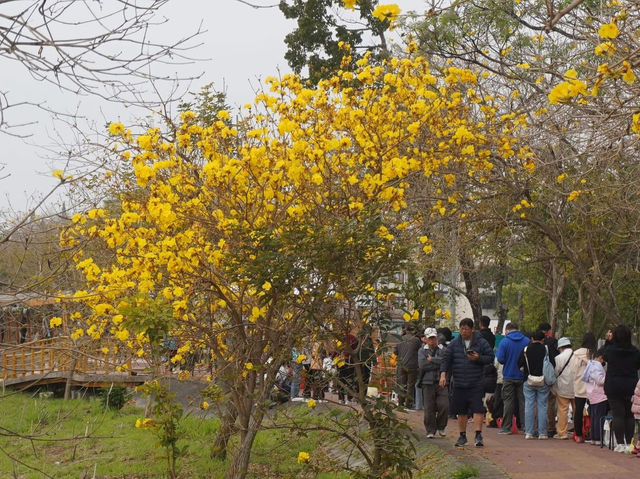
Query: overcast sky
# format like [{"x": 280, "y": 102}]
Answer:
[{"x": 241, "y": 45}]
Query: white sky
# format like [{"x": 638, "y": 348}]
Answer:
[{"x": 241, "y": 45}]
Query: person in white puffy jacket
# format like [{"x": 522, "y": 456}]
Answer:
[
  {"x": 578, "y": 364},
  {"x": 564, "y": 387},
  {"x": 593, "y": 378}
]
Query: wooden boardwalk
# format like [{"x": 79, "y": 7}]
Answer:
[{"x": 59, "y": 360}]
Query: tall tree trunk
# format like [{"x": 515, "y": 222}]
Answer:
[
  {"x": 470, "y": 276},
  {"x": 501, "y": 310},
  {"x": 557, "y": 283},
  {"x": 72, "y": 368},
  {"x": 520, "y": 308},
  {"x": 239, "y": 465},
  {"x": 227, "y": 428}
]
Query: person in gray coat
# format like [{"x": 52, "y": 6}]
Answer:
[
  {"x": 406, "y": 352},
  {"x": 435, "y": 397}
]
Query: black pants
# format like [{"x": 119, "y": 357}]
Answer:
[
  {"x": 597, "y": 412},
  {"x": 406, "y": 382},
  {"x": 498, "y": 403},
  {"x": 577, "y": 415},
  {"x": 622, "y": 418},
  {"x": 513, "y": 397}
]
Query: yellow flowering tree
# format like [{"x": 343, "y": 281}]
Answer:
[{"x": 253, "y": 232}]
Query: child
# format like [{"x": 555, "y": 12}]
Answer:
[
  {"x": 635, "y": 409},
  {"x": 594, "y": 375}
]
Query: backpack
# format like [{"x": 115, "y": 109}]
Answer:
[{"x": 548, "y": 370}]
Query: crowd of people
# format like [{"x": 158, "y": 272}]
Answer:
[{"x": 529, "y": 381}]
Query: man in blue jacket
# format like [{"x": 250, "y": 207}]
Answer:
[
  {"x": 466, "y": 357},
  {"x": 508, "y": 353}
]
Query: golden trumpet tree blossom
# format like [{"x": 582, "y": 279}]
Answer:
[{"x": 245, "y": 233}]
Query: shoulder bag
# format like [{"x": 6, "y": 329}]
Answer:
[{"x": 533, "y": 381}]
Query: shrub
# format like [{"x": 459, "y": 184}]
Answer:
[{"x": 114, "y": 397}]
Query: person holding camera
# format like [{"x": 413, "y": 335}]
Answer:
[{"x": 466, "y": 357}]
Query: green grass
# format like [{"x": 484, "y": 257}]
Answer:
[{"x": 80, "y": 439}]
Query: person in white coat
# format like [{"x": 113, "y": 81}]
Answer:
[{"x": 564, "y": 387}]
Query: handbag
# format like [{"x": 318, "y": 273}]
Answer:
[
  {"x": 533, "y": 381},
  {"x": 547, "y": 369}
]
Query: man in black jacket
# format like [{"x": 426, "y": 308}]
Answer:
[
  {"x": 552, "y": 345},
  {"x": 466, "y": 357},
  {"x": 485, "y": 321}
]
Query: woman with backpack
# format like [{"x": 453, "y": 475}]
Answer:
[{"x": 531, "y": 361}]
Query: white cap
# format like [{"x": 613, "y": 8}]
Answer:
[
  {"x": 431, "y": 333},
  {"x": 563, "y": 342}
]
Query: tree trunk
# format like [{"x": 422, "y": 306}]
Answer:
[
  {"x": 470, "y": 276},
  {"x": 520, "y": 308},
  {"x": 557, "y": 281},
  {"x": 72, "y": 368},
  {"x": 501, "y": 310},
  {"x": 239, "y": 465},
  {"x": 227, "y": 428}
]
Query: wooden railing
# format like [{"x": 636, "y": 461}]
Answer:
[{"x": 59, "y": 355}]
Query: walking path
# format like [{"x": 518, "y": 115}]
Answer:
[{"x": 513, "y": 456}]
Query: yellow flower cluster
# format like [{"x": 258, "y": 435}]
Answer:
[
  {"x": 388, "y": 12},
  {"x": 303, "y": 457}
]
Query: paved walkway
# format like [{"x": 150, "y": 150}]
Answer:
[{"x": 513, "y": 456}]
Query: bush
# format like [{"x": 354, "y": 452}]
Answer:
[{"x": 114, "y": 397}]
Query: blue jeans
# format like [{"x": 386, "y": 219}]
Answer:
[
  {"x": 535, "y": 396},
  {"x": 295, "y": 379}
]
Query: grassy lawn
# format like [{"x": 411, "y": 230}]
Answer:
[{"x": 79, "y": 439}]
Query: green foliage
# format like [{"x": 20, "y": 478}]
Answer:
[
  {"x": 206, "y": 104},
  {"x": 153, "y": 316},
  {"x": 465, "y": 471},
  {"x": 77, "y": 439},
  {"x": 320, "y": 28},
  {"x": 113, "y": 397}
]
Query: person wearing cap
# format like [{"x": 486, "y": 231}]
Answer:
[
  {"x": 564, "y": 386},
  {"x": 435, "y": 397}
]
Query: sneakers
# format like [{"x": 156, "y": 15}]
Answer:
[
  {"x": 506, "y": 432},
  {"x": 529, "y": 436},
  {"x": 563, "y": 438},
  {"x": 478, "y": 440},
  {"x": 430, "y": 435},
  {"x": 543, "y": 437},
  {"x": 441, "y": 433},
  {"x": 620, "y": 448},
  {"x": 462, "y": 440}
]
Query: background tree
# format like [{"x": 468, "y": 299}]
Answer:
[{"x": 322, "y": 25}]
